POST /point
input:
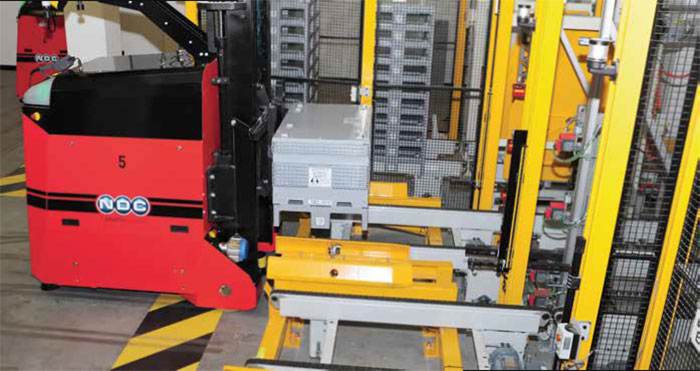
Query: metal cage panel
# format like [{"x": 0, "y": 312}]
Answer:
[
  {"x": 674, "y": 349},
  {"x": 415, "y": 103},
  {"x": 663, "y": 116}
]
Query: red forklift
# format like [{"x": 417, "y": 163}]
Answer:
[{"x": 152, "y": 172}]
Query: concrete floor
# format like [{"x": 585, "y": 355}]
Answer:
[{"x": 74, "y": 328}]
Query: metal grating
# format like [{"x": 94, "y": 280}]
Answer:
[
  {"x": 674, "y": 350},
  {"x": 326, "y": 54},
  {"x": 414, "y": 69},
  {"x": 666, "y": 100}
]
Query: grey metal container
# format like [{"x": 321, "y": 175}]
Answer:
[{"x": 321, "y": 162}]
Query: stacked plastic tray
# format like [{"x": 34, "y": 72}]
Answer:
[
  {"x": 294, "y": 47},
  {"x": 403, "y": 57}
]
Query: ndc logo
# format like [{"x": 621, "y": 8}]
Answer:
[
  {"x": 122, "y": 205},
  {"x": 45, "y": 58}
]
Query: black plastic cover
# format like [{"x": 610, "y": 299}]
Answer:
[{"x": 159, "y": 104}]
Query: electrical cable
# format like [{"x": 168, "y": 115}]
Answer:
[{"x": 577, "y": 154}]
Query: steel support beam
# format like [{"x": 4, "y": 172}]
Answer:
[
  {"x": 407, "y": 312},
  {"x": 542, "y": 69},
  {"x": 631, "y": 51},
  {"x": 573, "y": 59},
  {"x": 439, "y": 218}
]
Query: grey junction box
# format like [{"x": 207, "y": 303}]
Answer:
[{"x": 321, "y": 162}]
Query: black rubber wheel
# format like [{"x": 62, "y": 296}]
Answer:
[{"x": 49, "y": 287}]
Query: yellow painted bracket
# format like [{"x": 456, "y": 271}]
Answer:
[
  {"x": 304, "y": 229},
  {"x": 496, "y": 76},
  {"x": 674, "y": 230},
  {"x": 636, "y": 23},
  {"x": 358, "y": 268},
  {"x": 340, "y": 271},
  {"x": 356, "y": 249},
  {"x": 543, "y": 58},
  {"x": 396, "y": 194},
  {"x": 273, "y": 337},
  {"x": 341, "y": 262}
]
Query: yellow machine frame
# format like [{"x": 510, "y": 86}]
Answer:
[
  {"x": 385, "y": 270},
  {"x": 623, "y": 98},
  {"x": 545, "y": 39},
  {"x": 502, "y": 114},
  {"x": 359, "y": 268}
]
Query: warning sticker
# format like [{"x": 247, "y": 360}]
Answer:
[{"x": 320, "y": 177}]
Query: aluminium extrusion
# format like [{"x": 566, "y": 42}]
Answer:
[{"x": 424, "y": 313}]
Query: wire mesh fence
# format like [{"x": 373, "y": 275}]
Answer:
[
  {"x": 315, "y": 49},
  {"x": 674, "y": 348},
  {"x": 425, "y": 120},
  {"x": 666, "y": 100}
]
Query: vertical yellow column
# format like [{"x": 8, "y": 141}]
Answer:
[
  {"x": 543, "y": 59},
  {"x": 679, "y": 208},
  {"x": 495, "y": 93},
  {"x": 458, "y": 70},
  {"x": 631, "y": 51},
  {"x": 369, "y": 40},
  {"x": 191, "y": 12},
  {"x": 450, "y": 352}
]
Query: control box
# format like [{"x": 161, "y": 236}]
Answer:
[
  {"x": 567, "y": 341},
  {"x": 321, "y": 163}
]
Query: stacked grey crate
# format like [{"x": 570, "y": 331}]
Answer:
[
  {"x": 294, "y": 45},
  {"x": 403, "y": 57},
  {"x": 321, "y": 162}
]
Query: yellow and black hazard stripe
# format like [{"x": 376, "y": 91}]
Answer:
[
  {"x": 172, "y": 336},
  {"x": 14, "y": 184}
]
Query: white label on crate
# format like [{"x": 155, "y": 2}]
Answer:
[
  {"x": 314, "y": 202},
  {"x": 695, "y": 331},
  {"x": 320, "y": 177}
]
